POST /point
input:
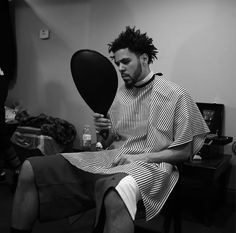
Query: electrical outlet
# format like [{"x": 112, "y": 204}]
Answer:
[{"x": 44, "y": 34}]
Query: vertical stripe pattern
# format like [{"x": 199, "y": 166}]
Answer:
[{"x": 158, "y": 116}]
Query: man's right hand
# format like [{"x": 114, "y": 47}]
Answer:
[{"x": 101, "y": 122}]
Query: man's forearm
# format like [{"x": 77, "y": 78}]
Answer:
[{"x": 173, "y": 155}]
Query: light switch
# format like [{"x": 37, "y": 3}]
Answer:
[{"x": 44, "y": 34}]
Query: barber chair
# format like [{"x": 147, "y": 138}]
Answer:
[{"x": 96, "y": 80}]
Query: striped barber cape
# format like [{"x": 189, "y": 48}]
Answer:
[{"x": 151, "y": 118}]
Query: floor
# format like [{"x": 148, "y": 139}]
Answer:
[{"x": 223, "y": 220}]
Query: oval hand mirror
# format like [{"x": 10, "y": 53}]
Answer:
[{"x": 95, "y": 78}]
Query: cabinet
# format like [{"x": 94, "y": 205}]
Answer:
[{"x": 203, "y": 185}]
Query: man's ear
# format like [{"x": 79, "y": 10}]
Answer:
[{"x": 144, "y": 58}]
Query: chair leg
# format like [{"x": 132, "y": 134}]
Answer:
[
  {"x": 177, "y": 222},
  {"x": 177, "y": 212},
  {"x": 173, "y": 212},
  {"x": 172, "y": 219},
  {"x": 167, "y": 223}
]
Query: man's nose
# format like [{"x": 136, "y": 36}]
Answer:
[{"x": 121, "y": 67}]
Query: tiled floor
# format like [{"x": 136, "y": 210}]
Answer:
[{"x": 224, "y": 220}]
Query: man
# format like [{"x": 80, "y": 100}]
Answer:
[
  {"x": 7, "y": 69},
  {"x": 153, "y": 124}
]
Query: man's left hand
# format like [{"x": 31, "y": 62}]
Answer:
[{"x": 125, "y": 159}]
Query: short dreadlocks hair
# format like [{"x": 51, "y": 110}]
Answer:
[{"x": 136, "y": 42}]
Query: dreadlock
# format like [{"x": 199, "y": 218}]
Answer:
[{"x": 136, "y": 42}]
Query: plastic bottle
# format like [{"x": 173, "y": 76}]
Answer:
[{"x": 87, "y": 137}]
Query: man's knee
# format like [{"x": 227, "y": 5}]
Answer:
[
  {"x": 26, "y": 174},
  {"x": 113, "y": 203}
]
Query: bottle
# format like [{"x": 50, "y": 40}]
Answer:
[{"x": 87, "y": 138}]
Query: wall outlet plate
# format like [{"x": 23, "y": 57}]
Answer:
[{"x": 44, "y": 34}]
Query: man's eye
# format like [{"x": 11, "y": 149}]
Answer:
[{"x": 126, "y": 62}]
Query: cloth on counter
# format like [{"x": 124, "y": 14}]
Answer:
[
  {"x": 31, "y": 138},
  {"x": 60, "y": 130}
]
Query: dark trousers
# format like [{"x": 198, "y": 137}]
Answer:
[
  {"x": 8, "y": 67},
  {"x": 4, "y": 142},
  {"x": 7, "y": 152},
  {"x": 65, "y": 190}
]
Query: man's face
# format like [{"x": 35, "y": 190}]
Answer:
[{"x": 129, "y": 65}]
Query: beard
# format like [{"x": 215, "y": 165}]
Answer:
[{"x": 129, "y": 84}]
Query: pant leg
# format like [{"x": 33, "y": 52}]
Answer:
[
  {"x": 65, "y": 190},
  {"x": 7, "y": 74},
  {"x": 7, "y": 151},
  {"x": 3, "y": 95},
  {"x": 4, "y": 143}
]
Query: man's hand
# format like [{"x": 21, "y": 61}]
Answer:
[
  {"x": 125, "y": 159},
  {"x": 100, "y": 122}
]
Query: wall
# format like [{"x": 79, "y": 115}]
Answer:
[{"x": 195, "y": 39}]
